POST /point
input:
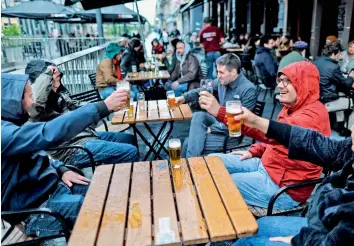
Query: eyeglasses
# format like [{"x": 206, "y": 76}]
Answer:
[{"x": 285, "y": 81}]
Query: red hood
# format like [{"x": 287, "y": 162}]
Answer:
[{"x": 306, "y": 79}]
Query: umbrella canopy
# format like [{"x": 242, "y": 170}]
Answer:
[
  {"x": 117, "y": 13},
  {"x": 39, "y": 10},
  {"x": 94, "y": 4}
]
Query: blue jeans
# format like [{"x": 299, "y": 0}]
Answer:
[
  {"x": 106, "y": 92},
  {"x": 273, "y": 226},
  {"x": 180, "y": 89},
  {"x": 66, "y": 201},
  {"x": 254, "y": 183},
  {"x": 199, "y": 140},
  {"x": 211, "y": 57},
  {"x": 111, "y": 148}
]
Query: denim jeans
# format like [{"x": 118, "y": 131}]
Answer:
[
  {"x": 254, "y": 183},
  {"x": 111, "y": 148},
  {"x": 66, "y": 201},
  {"x": 198, "y": 139},
  {"x": 106, "y": 92},
  {"x": 180, "y": 89},
  {"x": 273, "y": 226},
  {"x": 211, "y": 57}
]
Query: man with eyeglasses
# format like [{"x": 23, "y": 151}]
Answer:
[{"x": 260, "y": 171}]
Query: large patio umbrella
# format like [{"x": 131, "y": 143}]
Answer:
[{"x": 39, "y": 10}]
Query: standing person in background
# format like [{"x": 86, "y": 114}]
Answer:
[
  {"x": 131, "y": 56},
  {"x": 165, "y": 40},
  {"x": 175, "y": 32},
  {"x": 211, "y": 39}
]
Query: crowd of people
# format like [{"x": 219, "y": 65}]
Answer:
[{"x": 38, "y": 113}]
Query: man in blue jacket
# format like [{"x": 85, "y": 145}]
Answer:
[
  {"x": 29, "y": 179},
  {"x": 264, "y": 60}
]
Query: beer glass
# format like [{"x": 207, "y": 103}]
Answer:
[
  {"x": 125, "y": 85},
  {"x": 141, "y": 100},
  {"x": 206, "y": 85},
  {"x": 233, "y": 108},
  {"x": 131, "y": 108},
  {"x": 174, "y": 148},
  {"x": 134, "y": 70},
  {"x": 171, "y": 100},
  {"x": 147, "y": 66}
]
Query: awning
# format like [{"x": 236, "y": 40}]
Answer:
[{"x": 186, "y": 6}]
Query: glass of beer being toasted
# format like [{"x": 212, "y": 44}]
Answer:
[
  {"x": 233, "y": 108},
  {"x": 171, "y": 100},
  {"x": 174, "y": 148},
  {"x": 125, "y": 85}
]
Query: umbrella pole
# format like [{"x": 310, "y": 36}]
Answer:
[{"x": 141, "y": 27}]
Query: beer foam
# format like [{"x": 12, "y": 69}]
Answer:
[
  {"x": 236, "y": 110},
  {"x": 174, "y": 145}
]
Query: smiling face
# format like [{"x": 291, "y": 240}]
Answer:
[
  {"x": 225, "y": 76},
  {"x": 287, "y": 90}
]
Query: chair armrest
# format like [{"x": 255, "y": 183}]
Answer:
[
  {"x": 90, "y": 155},
  {"x": 23, "y": 214},
  {"x": 288, "y": 187}
]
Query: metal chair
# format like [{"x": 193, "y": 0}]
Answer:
[
  {"x": 237, "y": 143},
  {"x": 261, "y": 82},
  {"x": 93, "y": 79}
]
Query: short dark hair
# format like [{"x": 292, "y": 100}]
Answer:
[
  {"x": 134, "y": 42},
  {"x": 230, "y": 61},
  {"x": 332, "y": 48},
  {"x": 265, "y": 39}
]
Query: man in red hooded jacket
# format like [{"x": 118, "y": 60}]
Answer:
[{"x": 265, "y": 167}]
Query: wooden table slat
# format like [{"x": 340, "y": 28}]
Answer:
[
  {"x": 130, "y": 119},
  {"x": 163, "y": 110},
  {"x": 139, "y": 217},
  {"x": 165, "y": 219},
  {"x": 114, "y": 217},
  {"x": 217, "y": 219},
  {"x": 186, "y": 111},
  {"x": 141, "y": 114},
  {"x": 176, "y": 114},
  {"x": 118, "y": 117},
  {"x": 242, "y": 219},
  {"x": 193, "y": 227},
  {"x": 153, "y": 112},
  {"x": 87, "y": 223}
]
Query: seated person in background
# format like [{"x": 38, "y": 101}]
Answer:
[
  {"x": 286, "y": 43},
  {"x": 171, "y": 63},
  {"x": 331, "y": 39},
  {"x": 52, "y": 99},
  {"x": 251, "y": 47},
  {"x": 29, "y": 179},
  {"x": 123, "y": 42},
  {"x": 108, "y": 72},
  {"x": 332, "y": 81},
  {"x": 298, "y": 54},
  {"x": 206, "y": 134},
  {"x": 187, "y": 73},
  {"x": 131, "y": 56},
  {"x": 275, "y": 50},
  {"x": 264, "y": 60},
  {"x": 265, "y": 167},
  {"x": 157, "y": 48},
  {"x": 347, "y": 63},
  {"x": 330, "y": 217}
]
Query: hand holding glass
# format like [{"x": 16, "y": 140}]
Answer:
[
  {"x": 233, "y": 108},
  {"x": 125, "y": 85}
]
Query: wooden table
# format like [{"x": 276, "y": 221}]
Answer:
[
  {"x": 237, "y": 50},
  {"x": 152, "y": 204},
  {"x": 142, "y": 75},
  {"x": 154, "y": 111}
]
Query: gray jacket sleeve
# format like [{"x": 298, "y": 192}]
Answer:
[{"x": 175, "y": 72}]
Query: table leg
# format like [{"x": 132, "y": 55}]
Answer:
[
  {"x": 157, "y": 141},
  {"x": 165, "y": 139},
  {"x": 146, "y": 142}
]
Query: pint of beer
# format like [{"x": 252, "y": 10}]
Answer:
[
  {"x": 171, "y": 100},
  {"x": 174, "y": 148},
  {"x": 233, "y": 108},
  {"x": 125, "y": 85}
]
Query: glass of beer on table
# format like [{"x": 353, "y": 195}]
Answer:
[
  {"x": 141, "y": 100},
  {"x": 233, "y": 108},
  {"x": 125, "y": 85},
  {"x": 171, "y": 100},
  {"x": 174, "y": 149},
  {"x": 131, "y": 108}
]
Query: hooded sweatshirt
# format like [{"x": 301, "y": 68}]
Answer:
[
  {"x": 28, "y": 177},
  {"x": 187, "y": 68},
  {"x": 308, "y": 112},
  {"x": 108, "y": 71}
]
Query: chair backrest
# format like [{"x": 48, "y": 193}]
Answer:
[
  {"x": 90, "y": 96},
  {"x": 93, "y": 79},
  {"x": 259, "y": 74},
  {"x": 259, "y": 108}
]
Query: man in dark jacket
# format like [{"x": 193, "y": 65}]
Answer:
[
  {"x": 330, "y": 219},
  {"x": 52, "y": 99},
  {"x": 207, "y": 134},
  {"x": 332, "y": 81},
  {"x": 131, "y": 56},
  {"x": 264, "y": 60},
  {"x": 187, "y": 73},
  {"x": 29, "y": 179}
]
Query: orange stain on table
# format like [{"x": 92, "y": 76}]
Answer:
[{"x": 135, "y": 217}]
